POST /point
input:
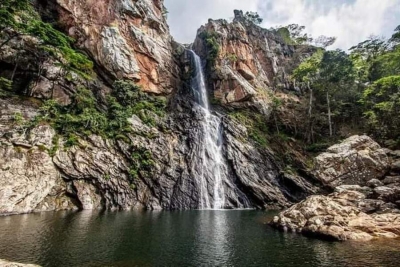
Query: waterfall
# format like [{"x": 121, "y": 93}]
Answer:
[{"x": 211, "y": 169}]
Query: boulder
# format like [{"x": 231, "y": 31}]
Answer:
[
  {"x": 339, "y": 216},
  {"x": 355, "y": 161}
]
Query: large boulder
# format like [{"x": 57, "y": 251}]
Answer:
[
  {"x": 340, "y": 216},
  {"x": 355, "y": 161}
]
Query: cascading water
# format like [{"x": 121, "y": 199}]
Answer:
[{"x": 212, "y": 172}]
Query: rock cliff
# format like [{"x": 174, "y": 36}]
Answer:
[
  {"x": 246, "y": 63},
  {"x": 154, "y": 164},
  {"x": 127, "y": 39}
]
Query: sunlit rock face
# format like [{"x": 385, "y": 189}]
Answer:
[
  {"x": 128, "y": 39},
  {"x": 340, "y": 216},
  {"x": 355, "y": 161},
  {"x": 366, "y": 201},
  {"x": 250, "y": 61}
]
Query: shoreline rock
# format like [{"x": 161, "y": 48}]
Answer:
[{"x": 358, "y": 209}]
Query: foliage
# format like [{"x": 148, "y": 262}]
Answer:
[
  {"x": 362, "y": 88},
  {"x": 382, "y": 107},
  {"x": 255, "y": 123},
  {"x": 5, "y": 84},
  {"x": 83, "y": 117},
  {"x": 324, "y": 41},
  {"x": 18, "y": 119},
  {"x": 293, "y": 34},
  {"x": 19, "y": 17},
  {"x": 284, "y": 33},
  {"x": 396, "y": 36},
  {"x": 213, "y": 47},
  {"x": 308, "y": 70},
  {"x": 253, "y": 17},
  {"x": 142, "y": 163},
  {"x": 8, "y": 11},
  {"x": 232, "y": 58}
]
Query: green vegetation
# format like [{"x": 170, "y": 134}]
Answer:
[
  {"x": 18, "y": 18},
  {"x": 293, "y": 34},
  {"x": 381, "y": 101},
  {"x": 253, "y": 17},
  {"x": 83, "y": 117},
  {"x": 232, "y": 58},
  {"x": 359, "y": 91},
  {"x": 213, "y": 47},
  {"x": 142, "y": 162},
  {"x": 255, "y": 123}
]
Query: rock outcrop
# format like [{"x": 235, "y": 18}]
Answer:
[
  {"x": 359, "y": 209},
  {"x": 340, "y": 216},
  {"x": 29, "y": 181},
  {"x": 246, "y": 62},
  {"x": 356, "y": 161},
  {"x": 127, "y": 39}
]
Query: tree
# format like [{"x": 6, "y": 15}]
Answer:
[
  {"x": 253, "y": 17},
  {"x": 298, "y": 35},
  {"x": 295, "y": 34},
  {"x": 396, "y": 36},
  {"x": 336, "y": 72},
  {"x": 307, "y": 73},
  {"x": 324, "y": 41},
  {"x": 381, "y": 101}
]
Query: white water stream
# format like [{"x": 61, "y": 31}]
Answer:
[{"x": 214, "y": 169}]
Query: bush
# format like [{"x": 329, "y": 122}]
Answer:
[
  {"x": 212, "y": 46},
  {"x": 256, "y": 125}
]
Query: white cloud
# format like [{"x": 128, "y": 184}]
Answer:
[
  {"x": 351, "y": 21},
  {"x": 186, "y": 16}
]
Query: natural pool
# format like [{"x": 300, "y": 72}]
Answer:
[{"x": 181, "y": 238}]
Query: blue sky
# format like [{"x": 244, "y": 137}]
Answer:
[{"x": 351, "y": 21}]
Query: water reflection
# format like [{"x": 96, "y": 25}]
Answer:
[
  {"x": 192, "y": 238},
  {"x": 212, "y": 233}
]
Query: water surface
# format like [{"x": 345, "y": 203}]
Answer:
[{"x": 189, "y": 238}]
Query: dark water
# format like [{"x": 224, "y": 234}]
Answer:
[{"x": 191, "y": 238}]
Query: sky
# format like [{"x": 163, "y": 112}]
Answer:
[{"x": 351, "y": 21}]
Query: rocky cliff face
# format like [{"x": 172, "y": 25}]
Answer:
[
  {"x": 246, "y": 62},
  {"x": 127, "y": 39},
  {"x": 130, "y": 40}
]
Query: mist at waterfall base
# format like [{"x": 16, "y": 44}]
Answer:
[
  {"x": 211, "y": 170},
  {"x": 177, "y": 238}
]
